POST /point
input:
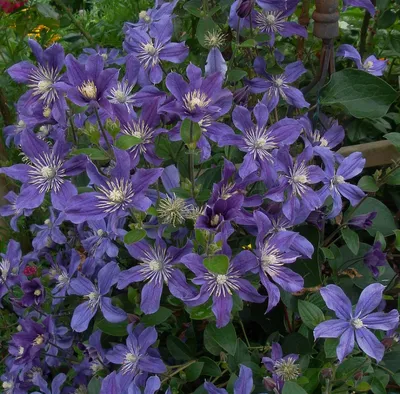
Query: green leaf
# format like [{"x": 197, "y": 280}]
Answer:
[
  {"x": 377, "y": 387},
  {"x": 383, "y": 222},
  {"x": 380, "y": 238},
  {"x": 210, "y": 368},
  {"x": 292, "y": 388},
  {"x": 194, "y": 7},
  {"x": 392, "y": 360},
  {"x": 93, "y": 153},
  {"x": 349, "y": 367},
  {"x": 310, "y": 314},
  {"x": 397, "y": 240},
  {"x": 251, "y": 43},
  {"x": 394, "y": 178},
  {"x": 236, "y": 75},
  {"x": 387, "y": 19},
  {"x": 190, "y": 131},
  {"x": 351, "y": 239},
  {"x": 134, "y": 236},
  {"x": 224, "y": 337},
  {"x": 113, "y": 329},
  {"x": 201, "y": 312},
  {"x": 205, "y": 25},
  {"x": 193, "y": 371},
  {"x": 330, "y": 346},
  {"x": 328, "y": 254},
  {"x": 394, "y": 138},
  {"x": 47, "y": 11},
  {"x": 396, "y": 378},
  {"x": 178, "y": 349},
  {"x": 94, "y": 386},
  {"x": 362, "y": 94},
  {"x": 127, "y": 141},
  {"x": 363, "y": 387},
  {"x": 217, "y": 264},
  {"x": 157, "y": 318},
  {"x": 368, "y": 184}
]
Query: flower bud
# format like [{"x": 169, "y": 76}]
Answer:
[
  {"x": 269, "y": 383},
  {"x": 244, "y": 8},
  {"x": 327, "y": 373}
]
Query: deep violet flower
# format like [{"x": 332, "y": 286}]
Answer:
[
  {"x": 375, "y": 258},
  {"x": 243, "y": 384},
  {"x": 362, "y": 221},
  {"x": 157, "y": 268},
  {"x": 355, "y": 326},
  {"x": 335, "y": 184},
  {"x": 371, "y": 64},
  {"x": 259, "y": 141},
  {"x": 283, "y": 368},
  {"x": 114, "y": 195},
  {"x": 150, "y": 49},
  {"x": 34, "y": 293},
  {"x": 246, "y": 10},
  {"x": 366, "y": 4},
  {"x": 41, "y": 79},
  {"x": 46, "y": 172},
  {"x": 222, "y": 286},
  {"x": 96, "y": 298},
  {"x": 202, "y": 100},
  {"x": 12, "y": 210},
  {"x": 278, "y": 86},
  {"x": 273, "y": 253},
  {"x": 56, "y": 384},
  {"x": 109, "y": 55},
  {"x": 137, "y": 355}
]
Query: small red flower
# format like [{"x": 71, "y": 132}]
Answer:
[
  {"x": 30, "y": 270},
  {"x": 9, "y": 6}
]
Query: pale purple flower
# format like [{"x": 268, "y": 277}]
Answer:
[
  {"x": 150, "y": 49},
  {"x": 109, "y": 55},
  {"x": 259, "y": 141},
  {"x": 351, "y": 326},
  {"x": 157, "y": 268},
  {"x": 12, "y": 210},
  {"x": 375, "y": 258},
  {"x": 96, "y": 298},
  {"x": 222, "y": 286},
  {"x": 275, "y": 22},
  {"x": 371, "y": 64},
  {"x": 46, "y": 171},
  {"x": 335, "y": 184},
  {"x": 115, "y": 195},
  {"x": 203, "y": 101},
  {"x": 137, "y": 355},
  {"x": 367, "y": 4},
  {"x": 296, "y": 179},
  {"x": 215, "y": 63},
  {"x": 273, "y": 5},
  {"x": 56, "y": 384},
  {"x": 362, "y": 221},
  {"x": 278, "y": 86},
  {"x": 243, "y": 384},
  {"x": 273, "y": 253},
  {"x": 283, "y": 368}
]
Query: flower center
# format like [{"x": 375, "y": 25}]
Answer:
[
  {"x": 357, "y": 323},
  {"x": 155, "y": 265},
  {"x": 338, "y": 179},
  {"x": 300, "y": 179},
  {"x": 279, "y": 82},
  {"x": 104, "y": 56},
  {"x": 287, "y": 369},
  {"x": 214, "y": 220},
  {"x": 323, "y": 142},
  {"x": 120, "y": 96},
  {"x": 100, "y": 232},
  {"x": 38, "y": 340},
  {"x": 150, "y": 48},
  {"x": 88, "y": 90},
  {"x": 4, "y": 268},
  {"x": 46, "y": 112},
  {"x": 44, "y": 85},
  {"x": 268, "y": 260},
  {"x": 117, "y": 195},
  {"x": 221, "y": 279},
  {"x": 368, "y": 65},
  {"x": 48, "y": 172},
  {"x": 7, "y": 385},
  {"x": 270, "y": 19},
  {"x": 196, "y": 99},
  {"x": 37, "y": 292},
  {"x": 259, "y": 143},
  {"x": 94, "y": 298},
  {"x": 214, "y": 39},
  {"x": 173, "y": 210}
]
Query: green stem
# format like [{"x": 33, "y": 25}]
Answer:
[
  {"x": 244, "y": 333},
  {"x": 184, "y": 366},
  {"x": 191, "y": 160},
  {"x": 103, "y": 132}
]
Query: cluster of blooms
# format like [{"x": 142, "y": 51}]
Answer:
[{"x": 75, "y": 257}]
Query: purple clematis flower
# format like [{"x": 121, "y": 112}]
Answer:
[
  {"x": 276, "y": 86},
  {"x": 34, "y": 293},
  {"x": 56, "y": 384},
  {"x": 115, "y": 195},
  {"x": 89, "y": 83},
  {"x": 272, "y": 254},
  {"x": 375, "y": 258},
  {"x": 43, "y": 78},
  {"x": 137, "y": 355},
  {"x": 283, "y": 368},
  {"x": 109, "y": 55},
  {"x": 335, "y": 184},
  {"x": 243, "y": 384},
  {"x": 150, "y": 49},
  {"x": 362, "y": 221},
  {"x": 10, "y": 267},
  {"x": 371, "y": 64},
  {"x": 96, "y": 298},
  {"x": 355, "y": 326},
  {"x": 157, "y": 267},
  {"x": 240, "y": 13},
  {"x": 275, "y": 22},
  {"x": 259, "y": 141},
  {"x": 296, "y": 179},
  {"x": 202, "y": 100},
  {"x": 144, "y": 127},
  {"x": 366, "y": 4},
  {"x": 222, "y": 286},
  {"x": 12, "y": 210},
  {"x": 46, "y": 172},
  {"x": 48, "y": 232}
]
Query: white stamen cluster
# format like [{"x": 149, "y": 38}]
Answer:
[
  {"x": 5, "y": 266},
  {"x": 214, "y": 39},
  {"x": 116, "y": 194},
  {"x": 139, "y": 129},
  {"x": 46, "y": 173},
  {"x": 260, "y": 143},
  {"x": 88, "y": 90},
  {"x": 222, "y": 284},
  {"x": 269, "y": 21},
  {"x": 156, "y": 265},
  {"x": 357, "y": 323},
  {"x": 41, "y": 81},
  {"x": 173, "y": 210},
  {"x": 195, "y": 99},
  {"x": 149, "y": 54},
  {"x": 93, "y": 299},
  {"x": 287, "y": 369},
  {"x": 298, "y": 178},
  {"x": 122, "y": 94},
  {"x": 38, "y": 340},
  {"x": 317, "y": 137},
  {"x": 129, "y": 364}
]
